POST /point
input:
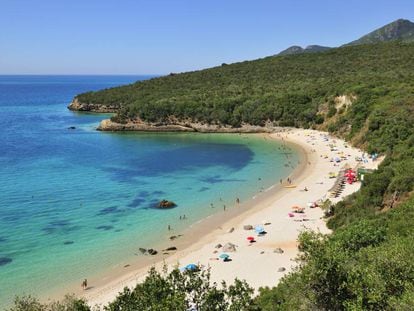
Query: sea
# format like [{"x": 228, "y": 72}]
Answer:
[{"x": 75, "y": 202}]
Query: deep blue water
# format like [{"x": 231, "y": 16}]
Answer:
[{"x": 74, "y": 202}]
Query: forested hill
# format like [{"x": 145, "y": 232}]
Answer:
[{"x": 291, "y": 90}]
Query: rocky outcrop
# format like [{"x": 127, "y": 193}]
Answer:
[
  {"x": 76, "y": 105},
  {"x": 140, "y": 126}
]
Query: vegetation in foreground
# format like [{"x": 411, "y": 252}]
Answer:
[{"x": 189, "y": 290}]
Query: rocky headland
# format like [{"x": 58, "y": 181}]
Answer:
[{"x": 172, "y": 125}]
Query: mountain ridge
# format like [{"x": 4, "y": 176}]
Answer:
[
  {"x": 295, "y": 49},
  {"x": 400, "y": 29}
]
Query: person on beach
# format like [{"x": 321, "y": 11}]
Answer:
[
  {"x": 281, "y": 181},
  {"x": 169, "y": 227},
  {"x": 84, "y": 284},
  {"x": 184, "y": 217},
  {"x": 224, "y": 207}
]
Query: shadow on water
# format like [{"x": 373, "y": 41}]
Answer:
[
  {"x": 59, "y": 227},
  {"x": 153, "y": 164},
  {"x": 218, "y": 179}
]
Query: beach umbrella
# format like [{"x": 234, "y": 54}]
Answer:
[
  {"x": 259, "y": 229},
  {"x": 191, "y": 267},
  {"x": 250, "y": 238},
  {"x": 224, "y": 256}
]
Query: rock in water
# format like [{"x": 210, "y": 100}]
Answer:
[{"x": 166, "y": 204}]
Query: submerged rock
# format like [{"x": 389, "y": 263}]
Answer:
[{"x": 5, "y": 260}]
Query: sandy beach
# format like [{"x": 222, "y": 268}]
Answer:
[{"x": 257, "y": 263}]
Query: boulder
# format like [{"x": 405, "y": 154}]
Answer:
[
  {"x": 278, "y": 251},
  {"x": 152, "y": 252},
  {"x": 172, "y": 248},
  {"x": 248, "y": 227},
  {"x": 166, "y": 204},
  {"x": 218, "y": 246},
  {"x": 142, "y": 250}
]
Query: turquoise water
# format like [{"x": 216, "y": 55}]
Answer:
[{"x": 74, "y": 203}]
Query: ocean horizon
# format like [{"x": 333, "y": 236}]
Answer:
[{"x": 76, "y": 202}]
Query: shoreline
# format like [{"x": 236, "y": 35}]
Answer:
[{"x": 198, "y": 241}]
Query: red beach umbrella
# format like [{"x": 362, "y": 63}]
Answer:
[{"x": 250, "y": 238}]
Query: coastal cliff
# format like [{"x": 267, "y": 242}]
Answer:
[
  {"x": 140, "y": 126},
  {"x": 76, "y": 105}
]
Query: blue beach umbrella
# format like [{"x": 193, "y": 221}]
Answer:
[
  {"x": 224, "y": 256},
  {"x": 190, "y": 267},
  {"x": 259, "y": 229}
]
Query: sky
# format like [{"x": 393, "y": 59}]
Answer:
[{"x": 163, "y": 36}]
